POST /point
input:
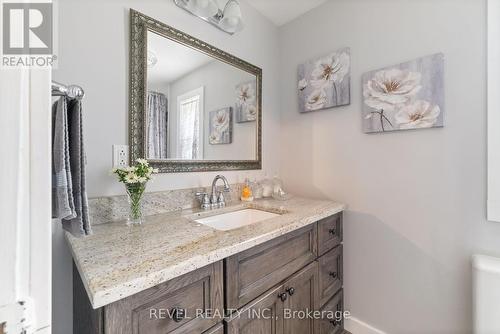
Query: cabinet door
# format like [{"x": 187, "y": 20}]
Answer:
[
  {"x": 302, "y": 289},
  {"x": 264, "y": 316},
  {"x": 218, "y": 329},
  {"x": 179, "y": 306},
  {"x": 86, "y": 320}
]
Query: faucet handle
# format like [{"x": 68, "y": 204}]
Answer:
[
  {"x": 200, "y": 194},
  {"x": 221, "y": 200},
  {"x": 204, "y": 200}
]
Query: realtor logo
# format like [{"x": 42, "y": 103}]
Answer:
[{"x": 27, "y": 28}]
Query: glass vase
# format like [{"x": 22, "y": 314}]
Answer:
[{"x": 135, "y": 191}]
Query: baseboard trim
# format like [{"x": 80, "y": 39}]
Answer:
[{"x": 356, "y": 326}]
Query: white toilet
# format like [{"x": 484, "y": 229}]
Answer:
[{"x": 486, "y": 294}]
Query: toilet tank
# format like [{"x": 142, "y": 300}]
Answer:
[{"x": 486, "y": 294}]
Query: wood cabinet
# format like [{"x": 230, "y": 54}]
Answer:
[
  {"x": 335, "y": 324},
  {"x": 263, "y": 316},
  {"x": 178, "y": 306},
  {"x": 330, "y": 276},
  {"x": 329, "y": 232},
  {"x": 250, "y": 273},
  {"x": 272, "y": 288},
  {"x": 277, "y": 311},
  {"x": 217, "y": 329},
  {"x": 302, "y": 290}
]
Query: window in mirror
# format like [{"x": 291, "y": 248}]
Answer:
[{"x": 189, "y": 114}]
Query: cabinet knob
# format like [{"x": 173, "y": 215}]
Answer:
[
  {"x": 332, "y": 231},
  {"x": 283, "y": 296},
  {"x": 334, "y": 322},
  {"x": 333, "y": 274},
  {"x": 178, "y": 314},
  {"x": 290, "y": 291}
]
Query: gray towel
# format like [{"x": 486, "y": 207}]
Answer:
[{"x": 69, "y": 195}]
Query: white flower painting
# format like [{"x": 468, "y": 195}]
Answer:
[
  {"x": 407, "y": 96},
  {"x": 325, "y": 82},
  {"x": 220, "y": 126},
  {"x": 246, "y": 102},
  {"x": 419, "y": 114}
]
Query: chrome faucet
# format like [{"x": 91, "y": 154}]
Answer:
[{"x": 216, "y": 199}]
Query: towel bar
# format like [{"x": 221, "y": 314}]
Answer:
[{"x": 71, "y": 91}]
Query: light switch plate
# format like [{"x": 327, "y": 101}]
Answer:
[{"x": 120, "y": 156}]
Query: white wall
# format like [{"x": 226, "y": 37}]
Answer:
[
  {"x": 219, "y": 81},
  {"x": 417, "y": 199},
  {"x": 93, "y": 52}
]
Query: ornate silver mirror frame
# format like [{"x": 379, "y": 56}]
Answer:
[{"x": 140, "y": 24}]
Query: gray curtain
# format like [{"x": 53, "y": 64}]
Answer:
[{"x": 157, "y": 126}]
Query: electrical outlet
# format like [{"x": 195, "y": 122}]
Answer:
[{"x": 120, "y": 156}]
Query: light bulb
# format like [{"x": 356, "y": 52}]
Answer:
[
  {"x": 203, "y": 8},
  {"x": 231, "y": 20}
]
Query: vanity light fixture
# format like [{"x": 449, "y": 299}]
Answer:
[{"x": 228, "y": 19}]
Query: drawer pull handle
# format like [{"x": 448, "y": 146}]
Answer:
[
  {"x": 283, "y": 296},
  {"x": 333, "y": 274},
  {"x": 334, "y": 322},
  {"x": 290, "y": 291},
  {"x": 178, "y": 314},
  {"x": 332, "y": 231}
]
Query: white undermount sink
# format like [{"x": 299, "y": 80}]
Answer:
[{"x": 231, "y": 220}]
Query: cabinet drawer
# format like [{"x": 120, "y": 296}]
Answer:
[
  {"x": 171, "y": 307},
  {"x": 333, "y": 325},
  {"x": 330, "y": 274},
  {"x": 252, "y": 272},
  {"x": 329, "y": 232}
]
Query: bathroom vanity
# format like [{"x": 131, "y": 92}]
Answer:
[{"x": 175, "y": 275}]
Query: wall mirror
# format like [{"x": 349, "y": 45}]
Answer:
[{"x": 193, "y": 107}]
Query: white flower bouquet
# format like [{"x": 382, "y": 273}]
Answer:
[{"x": 135, "y": 179}]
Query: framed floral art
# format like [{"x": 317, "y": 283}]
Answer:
[
  {"x": 246, "y": 103},
  {"x": 325, "y": 82},
  {"x": 406, "y": 96},
  {"x": 220, "y": 126}
]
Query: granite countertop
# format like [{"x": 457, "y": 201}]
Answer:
[{"x": 117, "y": 260}]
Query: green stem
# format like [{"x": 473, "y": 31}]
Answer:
[{"x": 135, "y": 192}]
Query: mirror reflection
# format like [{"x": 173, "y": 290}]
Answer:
[{"x": 198, "y": 107}]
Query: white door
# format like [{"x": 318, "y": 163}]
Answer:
[{"x": 25, "y": 208}]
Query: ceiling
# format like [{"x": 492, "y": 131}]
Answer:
[
  {"x": 284, "y": 11},
  {"x": 174, "y": 60}
]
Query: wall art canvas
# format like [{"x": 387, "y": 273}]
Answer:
[
  {"x": 406, "y": 96},
  {"x": 246, "y": 102},
  {"x": 325, "y": 82},
  {"x": 220, "y": 126}
]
